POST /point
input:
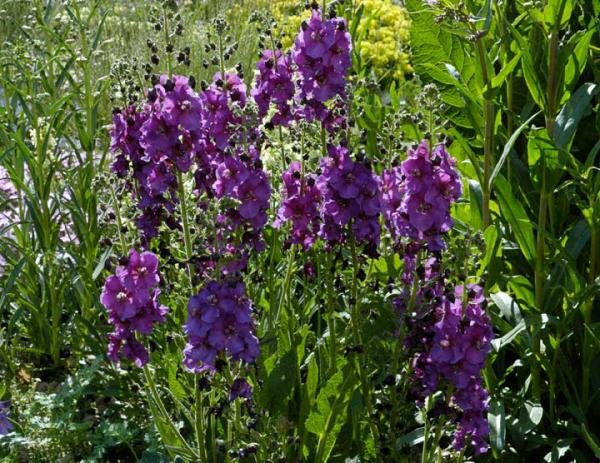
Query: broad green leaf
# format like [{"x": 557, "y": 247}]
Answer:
[
  {"x": 476, "y": 203},
  {"x": 578, "y": 238},
  {"x": 542, "y": 155},
  {"x": 509, "y": 337},
  {"x": 571, "y": 114},
  {"x": 492, "y": 246},
  {"x": 515, "y": 215},
  {"x": 530, "y": 416},
  {"x": 509, "y": 67},
  {"x": 557, "y": 13},
  {"x": 529, "y": 69},
  {"x": 559, "y": 450},
  {"x": 522, "y": 288},
  {"x": 577, "y": 56},
  {"x": 327, "y": 416},
  {"x": 280, "y": 381}
]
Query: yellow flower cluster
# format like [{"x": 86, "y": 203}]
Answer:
[{"x": 384, "y": 31}]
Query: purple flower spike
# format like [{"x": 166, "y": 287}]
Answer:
[
  {"x": 300, "y": 206},
  {"x": 131, "y": 299},
  {"x": 219, "y": 321},
  {"x": 322, "y": 53},
  {"x": 350, "y": 196},
  {"x": 417, "y": 196}
]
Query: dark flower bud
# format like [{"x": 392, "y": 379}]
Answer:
[{"x": 169, "y": 85}]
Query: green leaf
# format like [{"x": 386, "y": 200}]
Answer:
[
  {"x": 280, "y": 381},
  {"x": 577, "y": 49},
  {"x": 559, "y": 450},
  {"x": 508, "y": 147},
  {"x": 529, "y": 69},
  {"x": 497, "y": 424},
  {"x": 327, "y": 416},
  {"x": 509, "y": 309},
  {"x": 515, "y": 215},
  {"x": 509, "y": 337},
  {"x": 543, "y": 156},
  {"x": 557, "y": 13},
  {"x": 530, "y": 416},
  {"x": 492, "y": 246},
  {"x": 411, "y": 439},
  {"x": 476, "y": 200},
  {"x": 509, "y": 67},
  {"x": 571, "y": 114}
]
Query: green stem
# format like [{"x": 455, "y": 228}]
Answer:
[
  {"x": 199, "y": 421},
  {"x": 162, "y": 409},
  {"x": 366, "y": 391},
  {"x": 488, "y": 140},
  {"x": 587, "y": 316},
  {"x": 117, "y": 209},
  {"x": 425, "y": 452},
  {"x": 166, "y": 29},
  {"x": 187, "y": 239},
  {"x": 221, "y": 57},
  {"x": 331, "y": 314}
]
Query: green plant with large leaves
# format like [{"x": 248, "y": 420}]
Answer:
[{"x": 519, "y": 80}]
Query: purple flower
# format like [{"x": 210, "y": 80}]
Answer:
[
  {"x": 322, "y": 53},
  {"x": 274, "y": 85},
  {"x": 240, "y": 388},
  {"x": 300, "y": 206},
  {"x": 350, "y": 196},
  {"x": 453, "y": 335},
  {"x": 131, "y": 299},
  {"x": 5, "y": 424},
  {"x": 417, "y": 196},
  {"x": 254, "y": 193},
  {"x": 219, "y": 320}
]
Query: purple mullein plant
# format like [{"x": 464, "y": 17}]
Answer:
[
  {"x": 350, "y": 198},
  {"x": 131, "y": 298},
  {"x": 300, "y": 206},
  {"x": 274, "y": 85},
  {"x": 219, "y": 321},
  {"x": 418, "y": 194}
]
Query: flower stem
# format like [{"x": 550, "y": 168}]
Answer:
[
  {"x": 199, "y": 421},
  {"x": 186, "y": 228},
  {"x": 117, "y": 209},
  {"x": 366, "y": 391},
  {"x": 330, "y": 314},
  {"x": 162, "y": 409}
]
